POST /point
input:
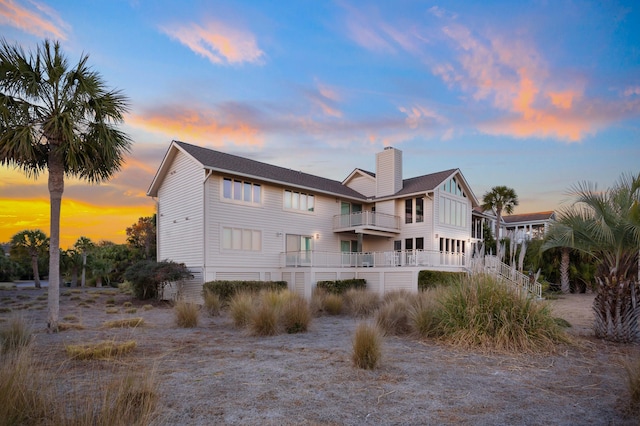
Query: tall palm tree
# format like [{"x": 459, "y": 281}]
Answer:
[
  {"x": 61, "y": 119},
  {"x": 84, "y": 245},
  {"x": 35, "y": 243},
  {"x": 606, "y": 226},
  {"x": 500, "y": 199}
]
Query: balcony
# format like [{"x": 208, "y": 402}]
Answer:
[
  {"x": 367, "y": 222},
  {"x": 387, "y": 259}
]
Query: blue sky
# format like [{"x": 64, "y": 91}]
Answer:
[{"x": 533, "y": 95}]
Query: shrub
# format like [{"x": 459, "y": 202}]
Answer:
[
  {"x": 361, "y": 302},
  {"x": 186, "y": 314},
  {"x": 430, "y": 279},
  {"x": 148, "y": 277},
  {"x": 367, "y": 346},
  {"x": 14, "y": 334},
  {"x": 101, "y": 350},
  {"x": 212, "y": 303},
  {"x": 424, "y": 311},
  {"x": 341, "y": 286},
  {"x": 296, "y": 315},
  {"x": 482, "y": 312},
  {"x": 227, "y": 289},
  {"x": 240, "y": 307},
  {"x": 263, "y": 321},
  {"x": 393, "y": 316}
]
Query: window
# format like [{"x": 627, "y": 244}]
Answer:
[
  {"x": 408, "y": 244},
  {"x": 408, "y": 211},
  {"x": 420, "y": 243},
  {"x": 238, "y": 190},
  {"x": 299, "y": 201},
  {"x": 453, "y": 187},
  {"x": 241, "y": 239},
  {"x": 452, "y": 212},
  {"x": 419, "y": 209}
]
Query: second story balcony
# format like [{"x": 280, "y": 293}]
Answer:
[{"x": 366, "y": 221}]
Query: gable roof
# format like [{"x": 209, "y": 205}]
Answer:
[
  {"x": 242, "y": 166},
  {"x": 529, "y": 217}
]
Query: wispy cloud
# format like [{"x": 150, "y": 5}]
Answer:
[
  {"x": 34, "y": 18},
  {"x": 326, "y": 98},
  {"x": 226, "y": 123},
  {"x": 218, "y": 42}
]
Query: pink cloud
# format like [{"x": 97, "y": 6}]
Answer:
[
  {"x": 199, "y": 123},
  {"x": 42, "y": 22},
  {"x": 218, "y": 42}
]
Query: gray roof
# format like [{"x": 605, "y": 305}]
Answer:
[
  {"x": 246, "y": 167},
  {"x": 242, "y": 166}
]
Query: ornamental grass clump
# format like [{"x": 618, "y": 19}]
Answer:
[
  {"x": 393, "y": 316},
  {"x": 632, "y": 368},
  {"x": 101, "y": 350},
  {"x": 240, "y": 308},
  {"x": 333, "y": 304},
  {"x": 15, "y": 334},
  {"x": 212, "y": 303},
  {"x": 482, "y": 312},
  {"x": 186, "y": 314},
  {"x": 424, "y": 312},
  {"x": 296, "y": 314},
  {"x": 367, "y": 346},
  {"x": 361, "y": 302}
]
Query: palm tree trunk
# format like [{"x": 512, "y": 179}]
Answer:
[
  {"x": 564, "y": 271},
  {"x": 56, "y": 188},
  {"x": 36, "y": 273},
  {"x": 84, "y": 268},
  {"x": 617, "y": 310}
]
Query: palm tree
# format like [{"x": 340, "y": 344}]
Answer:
[
  {"x": 606, "y": 226},
  {"x": 61, "y": 119},
  {"x": 501, "y": 199},
  {"x": 34, "y": 242},
  {"x": 84, "y": 245}
]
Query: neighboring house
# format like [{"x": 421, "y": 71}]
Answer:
[
  {"x": 232, "y": 218},
  {"x": 528, "y": 226}
]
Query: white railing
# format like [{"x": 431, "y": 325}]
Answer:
[
  {"x": 520, "y": 282},
  {"x": 321, "y": 259},
  {"x": 367, "y": 219}
]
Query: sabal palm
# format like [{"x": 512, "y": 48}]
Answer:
[
  {"x": 35, "y": 243},
  {"x": 606, "y": 225},
  {"x": 84, "y": 245},
  {"x": 501, "y": 199},
  {"x": 60, "y": 119}
]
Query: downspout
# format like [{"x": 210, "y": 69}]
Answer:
[{"x": 204, "y": 225}]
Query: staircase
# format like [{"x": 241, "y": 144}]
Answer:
[{"x": 520, "y": 282}]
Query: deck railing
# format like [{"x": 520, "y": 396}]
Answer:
[
  {"x": 390, "y": 259},
  {"x": 519, "y": 281},
  {"x": 366, "y": 219}
]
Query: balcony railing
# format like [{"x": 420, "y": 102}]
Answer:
[
  {"x": 366, "y": 219},
  {"x": 389, "y": 259}
]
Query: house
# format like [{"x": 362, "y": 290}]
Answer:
[
  {"x": 528, "y": 226},
  {"x": 233, "y": 218}
]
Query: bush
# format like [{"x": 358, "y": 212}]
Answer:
[
  {"x": 333, "y": 304},
  {"x": 393, "y": 316},
  {"x": 186, "y": 314},
  {"x": 483, "y": 312},
  {"x": 14, "y": 334},
  {"x": 296, "y": 315},
  {"x": 227, "y": 289},
  {"x": 263, "y": 321},
  {"x": 424, "y": 311},
  {"x": 341, "y": 286},
  {"x": 367, "y": 346},
  {"x": 148, "y": 278},
  {"x": 361, "y": 302},
  {"x": 430, "y": 279}
]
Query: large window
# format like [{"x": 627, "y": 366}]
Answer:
[
  {"x": 238, "y": 190},
  {"x": 299, "y": 201},
  {"x": 408, "y": 211},
  {"x": 419, "y": 209},
  {"x": 453, "y": 187},
  {"x": 452, "y": 212},
  {"x": 241, "y": 239}
]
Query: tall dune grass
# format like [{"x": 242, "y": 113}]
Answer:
[{"x": 367, "y": 346}]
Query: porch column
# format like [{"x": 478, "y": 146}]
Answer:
[{"x": 360, "y": 242}]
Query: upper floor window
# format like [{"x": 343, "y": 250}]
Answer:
[
  {"x": 238, "y": 190},
  {"x": 408, "y": 211},
  {"x": 453, "y": 187},
  {"x": 299, "y": 201},
  {"x": 241, "y": 239},
  {"x": 452, "y": 212},
  {"x": 409, "y": 216}
]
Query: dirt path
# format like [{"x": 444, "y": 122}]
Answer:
[{"x": 216, "y": 374}]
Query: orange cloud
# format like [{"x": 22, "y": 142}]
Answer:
[
  {"x": 41, "y": 22},
  {"x": 327, "y": 98},
  {"x": 209, "y": 126},
  {"x": 218, "y": 42},
  {"x": 418, "y": 115}
]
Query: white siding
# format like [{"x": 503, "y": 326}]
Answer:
[
  {"x": 400, "y": 280},
  {"x": 388, "y": 172},
  {"x": 366, "y": 185},
  {"x": 180, "y": 213}
]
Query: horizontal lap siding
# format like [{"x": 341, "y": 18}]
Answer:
[
  {"x": 372, "y": 279},
  {"x": 400, "y": 280},
  {"x": 180, "y": 213}
]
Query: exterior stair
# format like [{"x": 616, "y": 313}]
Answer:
[{"x": 518, "y": 281}]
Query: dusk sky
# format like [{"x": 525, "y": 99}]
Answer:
[{"x": 534, "y": 95}]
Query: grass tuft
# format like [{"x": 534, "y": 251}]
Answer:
[
  {"x": 367, "y": 346},
  {"x": 632, "y": 368},
  {"x": 296, "y": 315},
  {"x": 361, "y": 302},
  {"x": 101, "y": 350},
  {"x": 15, "y": 334},
  {"x": 212, "y": 303},
  {"x": 240, "y": 307},
  {"x": 393, "y": 316},
  {"x": 64, "y": 326},
  {"x": 186, "y": 314},
  {"x": 124, "y": 323},
  {"x": 333, "y": 304},
  {"x": 424, "y": 311},
  {"x": 264, "y": 319}
]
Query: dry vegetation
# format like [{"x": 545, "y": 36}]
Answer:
[{"x": 390, "y": 360}]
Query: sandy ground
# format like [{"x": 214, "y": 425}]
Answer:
[{"x": 217, "y": 374}]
